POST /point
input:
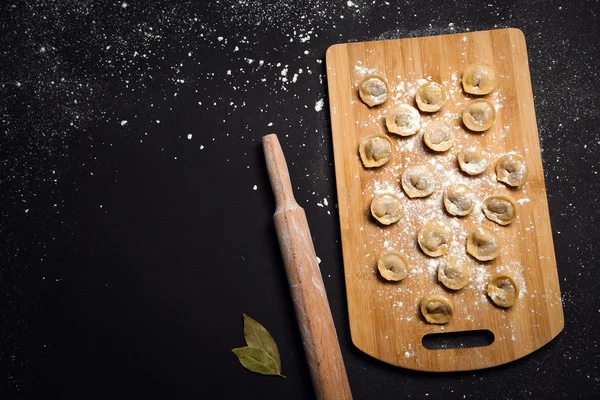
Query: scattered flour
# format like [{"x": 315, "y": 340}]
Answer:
[{"x": 417, "y": 212}]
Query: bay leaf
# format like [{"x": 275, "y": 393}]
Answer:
[
  {"x": 257, "y": 360},
  {"x": 257, "y": 336}
]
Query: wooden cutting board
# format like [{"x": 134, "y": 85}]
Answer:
[{"x": 385, "y": 321}]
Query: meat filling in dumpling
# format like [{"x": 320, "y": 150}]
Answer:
[
  {"x": 375, "y": 150},
  {"x": 473, "y": 159},
  {"x": 435, "y": 238},
  {"x": 373, "y": 90},
  {"x": 418, "y": 180},
  {"x": 393, "y": 266},
  {"x": 431, "y": 97},
  {"x": 386, "y": 208},
  {"x": 500, "y": 209},
  {"x": 483, "y": 244},
  {"x": 438, "y": 136},
  {"x": 453, "y": 273},
  {"x": 436, "y": 309},
  {"x": 503, "y": 291},
  {"x": 403, "y": 120},
  {"x": 459, "y": 199},
  {"x": 479, "y": 115},
  {"x": 511, "y": 169},
  {"x": 479, "y": 79}
]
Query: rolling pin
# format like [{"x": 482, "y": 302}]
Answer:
[{"x": 314, "y": 318}]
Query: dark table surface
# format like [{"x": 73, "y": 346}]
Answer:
[{"x": 136, "y": 211}]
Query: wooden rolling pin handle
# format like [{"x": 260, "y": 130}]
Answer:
[
  {"x": 278, "y": 174},
  {"x": 316, "y": 325}
]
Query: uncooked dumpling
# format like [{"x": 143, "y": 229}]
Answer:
[
  {"x": 435, "y": 238},
  {"x": 479, "y": 79},
  {"x": 473, "y": 159},
  {"x": 386, "y": 208},
  {"x": 431, "y": 97},
  {"x": 403, "y": 120},
  {"x": 479, "y": 115},
  {"x": 454, "y": 273},
  {"x": 418, "y": 180},
  {"x": 436, "y": 309},
  {"x": 375, "y": 150},
  {"x": 393, "y": 266},
  {"x": 438, "y": 135},
  {"x": 503, "y": 290},
  {"x": 500, "y": 209},
  {"x": 373, "y": 90},
  {"x": 459, "y": 199},
  {"x": 483, "y": 244},
  {"x": 511, "y": 169}
]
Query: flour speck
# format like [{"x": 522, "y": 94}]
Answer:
[{"x": 319, "y": 105}]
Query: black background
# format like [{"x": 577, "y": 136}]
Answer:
[{"x": 129, "y": 252}]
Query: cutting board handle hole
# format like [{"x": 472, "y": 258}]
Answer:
[{"x": 458, "y": 340}]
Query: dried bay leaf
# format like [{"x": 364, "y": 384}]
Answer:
[
  {"x": 257, "y": 336},
  {"x": 257, "y": 360},
  {"x": 261, "y": 355}
]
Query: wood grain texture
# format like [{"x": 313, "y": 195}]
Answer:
[
  {"x": 384, "y": 317},
  {"x": 313, "y": 314}
]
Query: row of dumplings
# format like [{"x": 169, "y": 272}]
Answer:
[
  {"x": 477, "y": 79},
  {"x": 459, "y": 200},
  {"x": 438, "y": 135},
  {"x": 404, "y": 120},
  {"x": 438, "y": 309},
  {"x": 435, "y": 237},
  {"x": 511, "y": 168},
  {"x": 453, "y": 274}
]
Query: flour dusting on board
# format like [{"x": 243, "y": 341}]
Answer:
[{"x": 403, "y": 297}]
